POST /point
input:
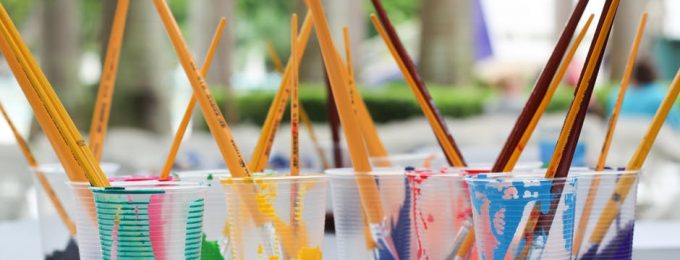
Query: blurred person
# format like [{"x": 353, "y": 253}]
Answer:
[{"x": 644, "y": 96}]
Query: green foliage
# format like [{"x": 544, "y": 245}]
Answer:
[{"x": 392, "y": 103}]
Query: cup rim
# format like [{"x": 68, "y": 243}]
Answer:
[
  {"x": 276, "y": 177},
  {"x": 146, "y": 187},
  {"x": 514, "y": 176}
]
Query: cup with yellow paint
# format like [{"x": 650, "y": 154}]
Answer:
[{"x": 272, "y": 216}]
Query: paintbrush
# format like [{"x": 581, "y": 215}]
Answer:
[
  {"x": 107, "y": 83},
  {"x": 446, "y": 141},
  {"x": 188, "y": 112},
  {"x": 583, "y": 222}
]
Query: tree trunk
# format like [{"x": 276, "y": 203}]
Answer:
[
  {"x": 60, "y": 51},
  {"x": 140, "y": 99},
  {"x": 446, "y": 43},
  {"x": 311, "y": 65},
  {"x": 563, "y": 10},
  {"x": 348, "y": 13},
  {"x": 625, "y": 27},
  {"x": 203, "y": 19}
]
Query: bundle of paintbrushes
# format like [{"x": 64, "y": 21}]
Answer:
[{"x": 385, "y": 207}]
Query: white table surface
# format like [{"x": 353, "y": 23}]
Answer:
[{"x": 653, "y": 240}]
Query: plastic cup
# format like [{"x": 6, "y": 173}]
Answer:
[
  {"x": 506, "y": 209},
  {"x": 424, "y": 211},
  {"x": 275, "y": 217},
  {"x": 141, "y": 220},
  {"x": 56, "y": 240},
  {"x": 215, "y": 219},
  {"x": 617, "y": 242}
]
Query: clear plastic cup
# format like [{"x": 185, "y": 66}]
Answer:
[
  {"x": 56, "y": 238},
  {"x": 275, "y": 217},
  {"x": 215, "y": 219},
  {"x": 161, "y": 220},
  {"x": 617, "y": 238},
  {"x": 522, "y": 215},
  {"x": 424, "y": 212}
]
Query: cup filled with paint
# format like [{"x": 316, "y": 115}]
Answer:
[
  {"x": 56, "y": 210},
  {"x": 605, "y": 213},
  {"x": 522, "y": 215},
  {"x": 273, "y": 216},
  {"x": 161, "y": 220},
  {"x": 84, "y": 213},
  {"x": 214, "y": 222},
  {"x": 422, "y": 213}
]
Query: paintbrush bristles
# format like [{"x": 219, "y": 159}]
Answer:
[{"x": 189, "y": 111}]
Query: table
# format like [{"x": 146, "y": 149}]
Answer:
[{"x": 653, "y": 240}]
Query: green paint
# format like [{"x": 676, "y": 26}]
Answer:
[{"x": 210, "y": 250}]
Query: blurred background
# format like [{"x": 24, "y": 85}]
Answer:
[{"x": 479, "y": 58}]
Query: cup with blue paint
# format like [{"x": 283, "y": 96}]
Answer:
[
  {"x": 522, "y": 215},
  {"x": 605, "y": 214},
  {"x": 154, "y": 219},
  {"x": 425, "y": 213}
]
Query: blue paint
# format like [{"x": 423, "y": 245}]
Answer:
[
  {"x": 569, "y": 213},
  {"x": 514, "y": 196},
  {"x": 620, "y": 247},
  {"x": 400, "y": 230}
]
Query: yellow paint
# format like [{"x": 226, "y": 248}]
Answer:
[{"x": 309, "y": 253}]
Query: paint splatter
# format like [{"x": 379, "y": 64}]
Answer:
[
  {"x": 210, "y": 250},
  {"x": 498, "y": 205}
]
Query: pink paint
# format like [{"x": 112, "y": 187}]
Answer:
[{"x": 156, "y": 224}]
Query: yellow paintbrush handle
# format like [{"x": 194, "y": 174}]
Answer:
[
  {"x": 186, "y": 118},
  {"x": 107, "y": 83}
]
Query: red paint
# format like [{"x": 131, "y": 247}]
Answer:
[{"x": 416, "y": 179}]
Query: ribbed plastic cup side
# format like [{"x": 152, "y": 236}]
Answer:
[
  {"x": 162, "y": 222},
  {"x": 86, "y": 222},
  {"x": 522, "y": 216},
  {"x": 55, "y": 237},
  {"x": 617, "y": 242},
  {"x": 275, "y": 217},
  {"x": 214, "y": 223},
  {"x": 423, "y": 213}
]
